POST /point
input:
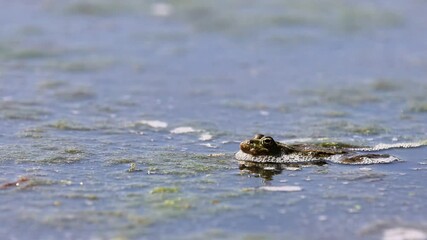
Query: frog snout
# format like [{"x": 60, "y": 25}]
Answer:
[{"x": 245, "y": 144}]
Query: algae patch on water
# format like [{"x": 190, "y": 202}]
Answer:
[
  {"x": 34, "y": 133},
  {"x": 186, "y": 164},
  {"x": 68, "y": 125},
  {"x": 44, "y": 152},
  {"x": 159, "y": 190},
  {"x": 60, "y": 159},
  {"x": 240, "y": 17},
  {"x": 18, "y": 110},
  {"x": 13, "y": 51},
  {"x": 51, "y": 84},
  {"x": 133, "y": 168},
  {"x": 418, "y": 107},
  {"x": 78, "y": 93},
  {"x": 177, "y": 203},
  {"x": 73, "y": 150},
  {"x": 121, "y": 219},
  {"x": 348, "y": 127},
  {"x": 106, "y": 8}
]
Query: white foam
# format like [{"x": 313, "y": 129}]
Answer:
[
  {"x": 385, "y": 146},
  {"x": 208, "y": 145},
  {"x": 401, "y": 233},
  {"x": 300, "y": 158},
  {"x": 205, "y": 136},
  {"x": 181, "y": 130},
  {"x": 282, "y": 188},
  {"x": 154, "y": 123},
  {"x": 161, "y": 9}
]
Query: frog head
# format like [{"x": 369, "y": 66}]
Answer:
[{"x": 260, "y": 145}]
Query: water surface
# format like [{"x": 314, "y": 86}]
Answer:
[{"x": 88, "y": 88}]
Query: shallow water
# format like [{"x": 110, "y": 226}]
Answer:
[{"x": 89, "y": 87}]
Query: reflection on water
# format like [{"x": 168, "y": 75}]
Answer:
[{"x": 268, "y": 170}]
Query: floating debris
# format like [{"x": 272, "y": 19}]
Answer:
[
  {"x": 281, "y": 188},
  {"x": 15, "y": 183}
]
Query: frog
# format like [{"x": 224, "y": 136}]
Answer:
[{"x": 264, "y": 149}]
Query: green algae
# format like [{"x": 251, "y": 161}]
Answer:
[
  {"x": 68, "y": 126},
  {"x": 245, "y": 105},
  {"x": 60, "y": 159},
  {"x": 176, "y": 203},
  {"x": 51, "y": 84},
  {"x": 185, "y": 164},
  {"x": 385, "y": 85},
  {"x": 169, "y": 167},
  {"x": 15, "y": 110},
  {"x": 73, "y": 150},
  {"x": 76, "y": 94},
  {"x": 32, "y": 53},
  {"x": 236, "y": 18},
  {"x": 118, "y": 161},
  {"x": 43, "y": 152},
  {"x": 98, "y": 8},
  {"x": 349, "y": 96},
  {"x": 12, "y": 51},
  {"x": 92, "y": 197},
  {"x": 118, "y": 218},
  {"x": 31, "y": 30},
  {"x": 339, "y": 145},
  {"x": 236, "y": 194},
  {"x": 34, "y": 133},
  {"x": 161, "y": 190},
  {"x": 336, "y": 114},
  {"x": 24, "y": 114},
  {"x": 367, "y": 18},
  {"x": 418, "y": 107},
  {"x": 133, "y": 168},
  {"x": 367, "y": 130},
  {"x": 214, "y": 233},
  {"x": 81, "y": 66},
  {"x": 35, "y": 182}
]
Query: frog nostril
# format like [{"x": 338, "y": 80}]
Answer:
[{"x": 251, "y": 141}]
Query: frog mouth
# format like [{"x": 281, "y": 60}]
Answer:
[{"x": 253, "y": 148}]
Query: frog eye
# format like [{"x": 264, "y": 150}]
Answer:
[
  {"x": 258, "y": 136},
  {"x": 267, "y": 140}
]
